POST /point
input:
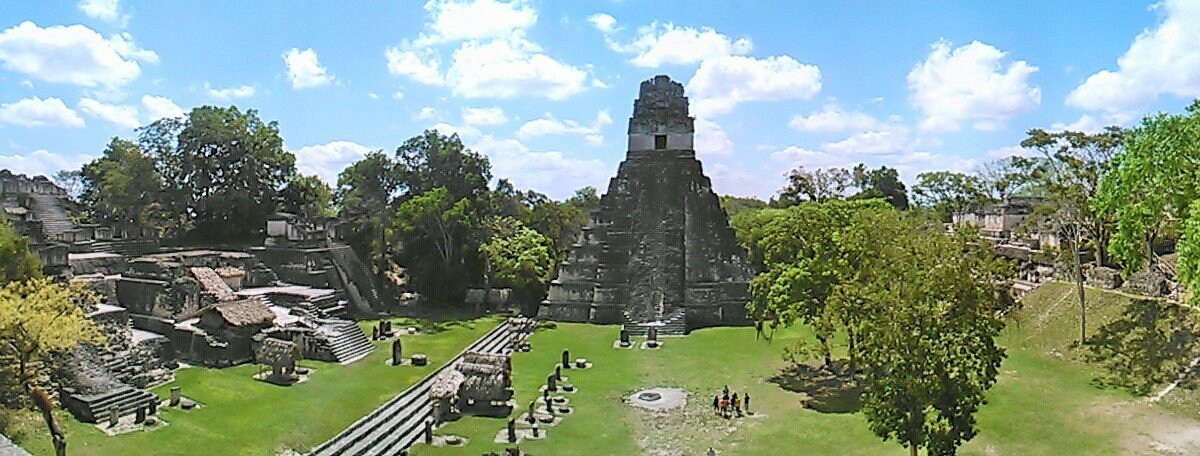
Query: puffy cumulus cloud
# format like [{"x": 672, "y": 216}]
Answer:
[
  {"x": 159, "y": 108},
  {"x": 970, "y": 84},
  {"x": 1009, "y": 151},
  {"x": 1163, "y": 60},
  {"x": 105, "y": 10},
  {"x": 37, "y": 112},
  {"x": 42, "y": 162},
  {"x": 603, "y": 22},
  {"x": 72, "y": 55},
  {"x": 711, "y": 140},
  {"x": 123, "y": 116},
  {"x": 666, "y": 44},
  {"x": 833, "y": 119},
  {"x": 461, "y": 20},
  {"x": 427, "y": 113},
  {"x": 304, "y": 69},
  {"x": 484, "y": 116},
  {"x": 722, "y": 83},
  {"x": 550, "y": 172},
  {"x": 511, "y": 67},
  {"x": 885, "y": 140},
  {"x": 1085, "y": 123},
  {"x": 737, "y": 181},
  {"x": 423, "y": 68},
  {"x": 466, "y": 133},
  {"x": 326, "y": 161},
  {"x": 230, "y": 93},
  {"x": 549, "y": 126}
]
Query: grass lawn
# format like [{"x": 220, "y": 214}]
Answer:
[
  {"x": 244, "y": 416},
  {"x": 1045, "y": 401}
]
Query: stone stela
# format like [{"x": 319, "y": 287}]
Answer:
[{"x": 660, "y": 248}]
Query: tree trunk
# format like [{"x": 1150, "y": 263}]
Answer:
[
  {"x": 825, "y": 351},
  {"x": 850, "y": 335},
  {"x": 912, "y": 450},
  {"x": 1082, "y": 299},
  {"x": 42, "y": 401}
]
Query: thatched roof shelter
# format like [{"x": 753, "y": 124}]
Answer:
[
  {"x": 242, "y": 313},
  {"x": 446, "y": 384}
]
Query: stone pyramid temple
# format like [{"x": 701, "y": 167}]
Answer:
[{"x": 659, "y": 251}]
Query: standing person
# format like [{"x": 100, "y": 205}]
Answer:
[
  {"x": 724, "y": 408},
  {"x": 737, "y": 406},
  {"x": 726, "y": 393},
  {"x": 746, "y": 400},
  {"x": 716, "y": 404}
]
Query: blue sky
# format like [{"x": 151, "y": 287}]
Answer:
[{"x": 545, "y": 88}]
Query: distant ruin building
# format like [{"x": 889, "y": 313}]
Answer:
[{"x": 659, "y": 251}]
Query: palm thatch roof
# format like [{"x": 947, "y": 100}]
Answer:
[
  {"x": 245, "y": 312},
  {"x": 446, "y": 384}
]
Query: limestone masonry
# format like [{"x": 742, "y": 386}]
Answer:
[{"x": 660, "y": 248}]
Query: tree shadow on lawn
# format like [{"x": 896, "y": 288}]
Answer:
[
  {"x": 826, "y": 390},
  {"x": 1147, "y": 346}
]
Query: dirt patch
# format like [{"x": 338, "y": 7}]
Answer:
[
  {"x": 1151, "y": 430},
  {"x": 689, "y": 429}
]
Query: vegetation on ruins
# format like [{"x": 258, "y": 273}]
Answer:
[
  {"x": 123, "y": 188},
  {"x": 307, "y": 196},
  {"x": 364, "y": 195},
  {"x": 17, "y": 263},
  {"x": 518, "y": 257},
  {"x": 39, "y": 318}
]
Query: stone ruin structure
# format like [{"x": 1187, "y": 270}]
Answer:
[
  {"x": 481, "y": 385},
  {"x": 659, "y": 251}
]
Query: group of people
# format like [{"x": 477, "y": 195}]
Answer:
[{"x": 728, "y": 406}]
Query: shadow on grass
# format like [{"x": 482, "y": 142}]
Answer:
[
  {"x": 827, "y": 391},
  {"x": 1145, "y": 347}
]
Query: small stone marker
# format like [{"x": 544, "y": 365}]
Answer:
[
  {"x": 412, "y": 330},
  {"x": 546, "y": 400},
  {"x": 176, "y": 394},
  {"x": 551, "y": 385},
  {"x": 428, "y": 432},
  {"x": 419, "y": 360},
  {"x": 153, "y": 406},
  {"x": 566, "y": 359},
  {"x": 652, "y": 334},
  {"x": 141, "y": 415},
  {"x": 396, "y": 353},
  {"x": 535, "y": 430},
  {"x": 512, "y": 431},
  {"x": 114, "y": 417},
  {"x": 375, "y": 333},
  {"x": 624, "y": 337},
  {"x": 581, "y": 363},
  {"x": 558, "y": 373}
]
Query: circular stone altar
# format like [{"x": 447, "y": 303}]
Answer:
[{"x": 659, "y": 398}]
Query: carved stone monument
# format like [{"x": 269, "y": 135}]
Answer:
[
  {"x": 660, "y": 247},
  {"x": 512, "y": 430},
  {"x": 566, "y": 359},
  {"x": 396, "y": 353}
]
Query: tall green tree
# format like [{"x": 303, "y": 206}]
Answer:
[
  {"x": 124, "y": 189},
  {"x": 947, "y": 192},
  {"x": 1006, "y": 177},
  {"x": 929, "y": 340},
  {"x": 437, "y": 229},
  {"x": 223, "y": 167},
  {"x": 1069, "y": 172},
  {"x": 520, "y": 258},
  {"x": 882, "y": 182},
  {"x": 365, "y": 197},
  {"x": 818, "y": 185},
  {"x": 307, "y": 195},
  {"x": 1153, "y": 183},
  {"x": 17, "y": 263}
]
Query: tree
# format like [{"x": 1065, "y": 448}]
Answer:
[
  {"x": 929, "y": 336},
  {"x": 818, "y": 185},
  {"x": 223, "y": 167},
  {"x": 308, "y": 196},
  {"x": 71, "y": 181},
  {"x": 436, "y": 225},
  {"x": 124, "y": 189},
  {"x": 1004, "y": 178},
  {"x": 883, "y": 182},
  {"x": 1069, "y": 173},
  {"x": 39, "y": 318},
  {"x": 17, "y": 263},
  {"x": 365, "y": 198},
  {"x": 1151, "y": 184},
  {"x": 734, "y": 205},
  {"x": 519, "y": 257},
  {"x": 947, "y": 192}
]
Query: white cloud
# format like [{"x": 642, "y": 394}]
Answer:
[
  {"x": 1164, "y": 60},
  {"x": 398, "y": 95},
  {"x": 833, "y": 119},
  {"x": 373, "y": 95},
  {"x": 484, "y": 116},
  {"x": 423, "y": 69},
  {"x": 72, "y": 54},
  {"x": 549, "y": 172},
  {"x": 42, "y": 162},
  {"x": 711, "y": 140},
  {"x": 1085, "y": 123},
  {"x": 427, "y": 113},
  {"x": 511, "y": 67},
  {"x": 666, "y": 44},
  {"x": 549, "y": 126},
  {"x": 461, "y": 20},
  {"x": 1008, "y": 151},
  {"x": 603, "y": 22},
  {"x": 105, "y": 10},
  {"x": 328, "y": 160},
  {"x": 231, "y": 93},
  {"x": 124, "y": 116},
  {"x": 889, "y": 139},
  {"x": 970, "y": 84},
  {"x": 304, "y": 69},
  {"x": 722, "y": 83},
  {"x": 464, "y": 132},
  {"x": 37, "y": 112},
  {"x": 160, "y": 107}
]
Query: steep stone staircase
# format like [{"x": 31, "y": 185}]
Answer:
[
  {"x": 348, "y": 343},
  {"x": 125, "y": 399},
  {"x": 674, "y": 325},
  {"x": 51, "y": 212},
  {"x": 357, "y": 273},
  {"x": 399, "y": 423}
]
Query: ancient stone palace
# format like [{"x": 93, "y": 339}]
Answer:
[{"x": 660, "y": 250}]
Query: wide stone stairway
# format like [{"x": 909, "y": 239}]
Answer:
[
  {"x": 399, "y": 423},
  {"x": 54, "y": 217},
  {"x": 349, "y": 343}
]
